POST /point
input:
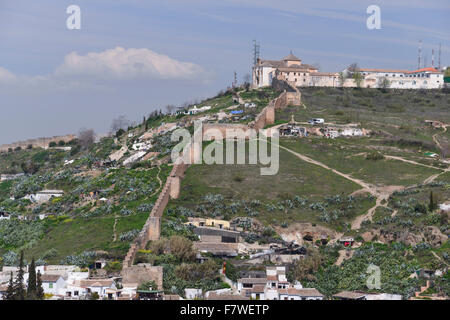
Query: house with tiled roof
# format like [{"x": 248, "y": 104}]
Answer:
[
  {"x": 423, "y": 78},
  {"x": 300, "y": 294},
  {"x": 53, "y": 283},
  {"x": 275, "y": 286},
  {"x": 290, "y": 69}
]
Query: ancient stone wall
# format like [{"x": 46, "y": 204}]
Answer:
[
  {"x": 39, "y": 142},
  {"x": 171, "y": 189},
  {"x": 143, "y": 273}
]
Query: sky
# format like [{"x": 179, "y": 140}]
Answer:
[{"x": 131, "y": 57}]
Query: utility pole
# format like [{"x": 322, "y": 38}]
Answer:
[
  {"x": 432, "y": 58},
  {"x": 439, "y": 57},
  {"x": 419, "y": 54},
  {"x": 256, "y": 51}
]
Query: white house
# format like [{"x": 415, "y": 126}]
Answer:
[
  {"x": 105, "y": 288},
  {"x": 300, "y": 294},
  {"x": 276, "y": 287},
  {"x": 44, "y": 195},
  {"x": 193, "y": 293},
  {"x": 53, "y": 283},
  {"x": 196, "y": 110},
  {"x": 6, "y": 177},
  {"x": 5, "y": 216}
]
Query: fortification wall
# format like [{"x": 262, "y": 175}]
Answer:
[
  {"x": 171, "y": 189},
  {"x": 222, "y": 128},
  {"x": 143, "y": 273},
  {"x": 38, "y": 142},
  {"x": 152, "y": 227}
]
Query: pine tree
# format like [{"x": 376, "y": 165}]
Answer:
[
  {"x": 10, "y": 291},
  {"x": 19, "y": 289},
  {"x": 39, "y": 288},
  {"x": 31, "y": 288},
  {"x": 432, "y": 204}
]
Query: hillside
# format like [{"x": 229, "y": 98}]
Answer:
[{"x": 375, "y": 188}]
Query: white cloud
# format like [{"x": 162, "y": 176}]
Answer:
[
  {"x": 96, "y": 70},
  {"x": 6, "y": 76},
  {"x": 120, "y": 64}
]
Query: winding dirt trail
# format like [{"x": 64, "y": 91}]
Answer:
[
  {"x": 160, "y": 182},
  {"x": 435, "y": 139},
  {"x": 368, "y": 187},
  {"x": 382, "y": 194}
]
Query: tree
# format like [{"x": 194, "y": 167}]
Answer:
[
  {"x": 52, "y": 144},
  {"x": 29, "y": 167},
  {"x": 358, "y": 79},
  {"x": 121, "y": 122},
  {"x": 86, "y": 137},
  {"x": 342, "y": 78},
  {"x": 432, "y": 206},
  {"x": 39, "y": 288},
  {"x": 384, "y": 83},
  {"x": 18, "y": 287},
  {"x": 31, "y": 288},
  {"x": 447, "y": 72},
  {"x": 170, "y": 108},
  {"x": 149, "y": 285},
  {"x": 10, "y": 291}
]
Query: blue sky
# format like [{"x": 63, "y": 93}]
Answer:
[{"x": 54, "y": 80}]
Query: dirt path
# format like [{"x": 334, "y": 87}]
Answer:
[
  {"x": 343, "y": 255},
  {"x": 366, "y": 186},
  {"x": 381, "y": 193},
  {"x": 114, "y": 228},
  {"x": 160, "y": 183},
  {"x": 412, "y": 162}
]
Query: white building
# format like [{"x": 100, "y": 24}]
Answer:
[
  {"x": 425, "y": 78},
  {"x": 44, "y": 195},
  {"x": 196, "y": 110},
  {"x": 7, "y": 177},
  {"x": 5, "y": 216},
  {"x": 53, "y": 283},
  {"x": 289, "y": 68},
  {"x": 276, "y": 287},
  {"x": 300, "y": 294}
]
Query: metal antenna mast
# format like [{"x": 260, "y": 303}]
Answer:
[
  {"x": 432, "y": 58},
  {"x": 256, "y": 50},
  {"x": 420, "y": 53},
  {"x": 439, "y": 57}
]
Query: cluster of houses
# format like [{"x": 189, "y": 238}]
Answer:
[
  {"x": 292, "y": 129},
  {"x": 63, "y": 282},
  {"x": 292, "y": 70},
  {"x": 275, "y": 286}
]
